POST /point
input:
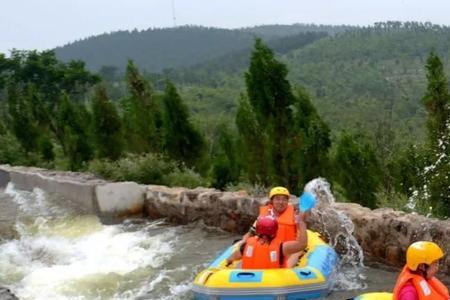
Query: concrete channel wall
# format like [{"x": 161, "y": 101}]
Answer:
[
  {"x": 92, "y": 195},
  {"x": 384, "y": 234}
]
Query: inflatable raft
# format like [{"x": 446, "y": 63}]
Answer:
[
  {"x": 312, "y": 277},
  {"x": 374, "y": 296}
]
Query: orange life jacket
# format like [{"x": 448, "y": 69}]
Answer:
[
  {"x": 261, "y": 256},
  {"x": 287, "y": 229},
  {"x": 431, "y": 289}
]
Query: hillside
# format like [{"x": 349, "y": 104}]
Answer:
[
  {"x": 372, "y": 78},
  {"x": 154, "y": 50}
]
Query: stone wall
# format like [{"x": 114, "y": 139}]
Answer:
[{"x": 383, "y": 234}]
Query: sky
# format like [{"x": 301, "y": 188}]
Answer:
[{"x": 45, "y": 24}]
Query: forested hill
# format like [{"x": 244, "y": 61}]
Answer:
[
  {"x": 157, "y": 49},
  {"x": 368, "y": 77},
  {"x": 278, "y": 30}
]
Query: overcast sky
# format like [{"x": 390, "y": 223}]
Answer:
[{"x": 45, "y": 24}]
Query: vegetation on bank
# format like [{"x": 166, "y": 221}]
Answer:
[{"x": 60, "y": 115}]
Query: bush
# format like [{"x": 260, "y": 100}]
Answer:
[
  {"x": 185, "y": 177},
  {"x": 11, "y": 152},
  {"x": 147, "y": 168}
]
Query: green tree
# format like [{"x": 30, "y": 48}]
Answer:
[
  {"x": 225, "y": 166},
  {"x": 23, "y": 124},
  {"x": 141, "y": 114},
  {"x": 312, "y": 140},
  {"x": 437, "y": 100},
  {"x": 357, "y": 169},
  {"x": 106, "y": 124},
  {"x": 252, "y": 144},
  {"x": 436, "y": 189},
  {"x": 73, "y": 133},
  {"x": 182, "y": 141},
  {"x": 271, "y": 98},
  {"x": 282, "y": 129}
]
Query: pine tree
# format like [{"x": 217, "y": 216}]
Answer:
[
  {"x": 141, "y": 115},
  {"x": 23, "y": 124},
  {"x": 225, "y": 166},
  {"x": 252, "y": 144},
  {"x": 437, "y": 100},
  {"x": 437, "y": 103},
  {"x": 182, "y": 141},
  {"x": 271, "y": 97},
  {"x": 357, "y": 169},
  {"x": 279, "y": 131},
  {"x": 107, "y": 128},
  {"x": 73, "y": 133},
  {"x": 312, "y": 140}
]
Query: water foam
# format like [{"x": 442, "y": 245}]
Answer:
[
  {"x": 57, "y": 252},
  {"x": 338, "y": 229}
]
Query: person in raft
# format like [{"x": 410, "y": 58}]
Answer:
[
  {"x": 417, "y": 281},
  {"x": 265, "y": 250},
  {"x": 291, "y": 225}
]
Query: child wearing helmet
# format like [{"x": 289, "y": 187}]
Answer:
[
  {"x": 417, "y": 281},
  {"x": 264, "y": 250}
]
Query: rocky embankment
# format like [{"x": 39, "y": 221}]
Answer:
[{"x": 383, "y": 234}]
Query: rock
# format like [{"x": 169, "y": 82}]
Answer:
[
  {"x": 119, "y": 199},
  {"x": 231, "y": 211},
  {"x": 6, "y": 294}
]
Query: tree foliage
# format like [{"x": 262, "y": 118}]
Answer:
[
  {"x": 141, "y": 114},
  {"x": 357, "y": 169},
  {"x": 279, "y": 126},
  {"x": 182, "y": 141},
  {"x": 107, "y": 126}
]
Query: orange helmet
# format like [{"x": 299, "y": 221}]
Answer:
[{"x": 267, "y": 225}]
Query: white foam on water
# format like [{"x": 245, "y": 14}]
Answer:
[
  {"x": 338, "y": 227},
  {"x": 48, "y": 258}
]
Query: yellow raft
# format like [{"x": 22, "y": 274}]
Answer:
[
  {"x": 312, "y": 278},
  {"x": 375, "y": 296}
]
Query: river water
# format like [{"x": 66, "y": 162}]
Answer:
[{"x": 61, "y": 253}]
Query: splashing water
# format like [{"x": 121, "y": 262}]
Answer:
[{"x": 338, "y": 230}]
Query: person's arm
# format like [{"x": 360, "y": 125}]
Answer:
[
  {"x": 251, "y": 232},
  {"x": 301, "y": 241},
  {"x": 236, "y": 255}
]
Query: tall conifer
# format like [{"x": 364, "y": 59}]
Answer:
[
  {"x": 107, "y": 128},
  {"x": 182, "y": 141}
]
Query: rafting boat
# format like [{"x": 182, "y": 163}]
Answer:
[
  {"x": 375, "y": 296},
  {"x": 311, "y": 278}
]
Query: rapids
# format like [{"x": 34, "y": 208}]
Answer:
[{"x": 61, "y": 253}]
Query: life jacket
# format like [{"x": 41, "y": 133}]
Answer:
[
  {"x": 261, "y": 256},
  {"x": 431, "y": 289},
  {"x": 287, "y": 229}
]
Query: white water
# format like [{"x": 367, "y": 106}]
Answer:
[
  {"x": 338, "y": 228},
  {"x": 62, "y": 254}
]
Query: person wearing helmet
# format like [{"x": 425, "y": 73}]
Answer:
[
  {"x": 417, "y": 281},
  {"x": 264, "y": 250},
  {"x": 285, "y": 213}
]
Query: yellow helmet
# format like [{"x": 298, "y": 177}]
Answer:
[
  {"x": 422, "y": 253},
  {"x": 279, "y": 190}
]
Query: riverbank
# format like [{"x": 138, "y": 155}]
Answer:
[{"x": 384, "y": 234}]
